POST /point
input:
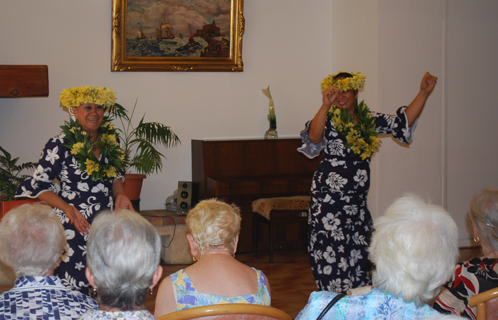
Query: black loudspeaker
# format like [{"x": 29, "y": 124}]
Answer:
[{"x": 188, "y": 196}]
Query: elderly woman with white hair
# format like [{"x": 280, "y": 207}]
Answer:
[
  {"x": 123, "y": 255},
  {"x": 414, "y": 250},
  {"x": 478, "y": 274},
  {"x": 32, "y": 240},
  {"x": 217, "y": 277}
]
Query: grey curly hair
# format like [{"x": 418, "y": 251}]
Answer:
[{"x": 123, "y": 253}]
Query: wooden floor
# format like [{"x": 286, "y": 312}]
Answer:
[{"x": 289, "y": 275}]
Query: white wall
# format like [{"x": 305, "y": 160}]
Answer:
[
  {"x": 410, "y": 43},
  {"x": 291, "y": 46},
  {"x": 453, "y": 154},
  {"x": 472, "y": 133}
]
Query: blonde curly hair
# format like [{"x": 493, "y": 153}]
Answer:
[{"x": 214, "y": 225}]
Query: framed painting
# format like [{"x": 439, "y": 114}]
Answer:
[{"x": 177, "y": 35}]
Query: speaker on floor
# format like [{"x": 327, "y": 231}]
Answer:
[{"x": 188, "y": 196}]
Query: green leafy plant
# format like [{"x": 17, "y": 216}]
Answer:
[
  {"x": 139, "y": 143},
  {"x": 10, "y": 174}
]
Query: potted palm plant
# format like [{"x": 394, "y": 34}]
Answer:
[
  {"x": 139, "y": 144},
  {"x": 10, "y": 178}
]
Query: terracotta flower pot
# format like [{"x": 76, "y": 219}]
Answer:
[
  {"x": 132, "y": 188},
  {"x": 6, "y": 206},
  {"x": 133, "y": 185}
]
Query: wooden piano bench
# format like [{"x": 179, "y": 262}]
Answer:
[{"x": 278, "y": 212}]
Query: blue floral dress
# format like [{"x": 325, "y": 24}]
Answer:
[
  {"x": 339, "y": 222},
  {"x": 187, "y": 296},
  {"x": 375, "y": 305},
  {"x": 77, "y": 189}
]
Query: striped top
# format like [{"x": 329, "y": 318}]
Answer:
[{"x": 43, "y": 297}]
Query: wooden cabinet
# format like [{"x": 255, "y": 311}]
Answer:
[
  {"x": 17, "y": 81},
  {"x": 241, "y": 171}
]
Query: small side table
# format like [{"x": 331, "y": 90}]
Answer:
[
  {"x": 278, "y": 211},
  {"x": 173, "y": 231}
]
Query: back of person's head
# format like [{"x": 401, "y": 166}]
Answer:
[
  {"x": 414, "y": 249},
  {"x": 32, "y": 240},
  {"x": 123, "y": 253},
  {"x": 214, "y": 224},
  {"x": 483, "y": 211}
]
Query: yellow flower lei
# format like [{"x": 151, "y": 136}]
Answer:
[
  {"x": 76, "y": 96},
  {"x": 352, "y": 83},
  {"x": 361, "y": 137},
  {"x": 78, "y": 141}
]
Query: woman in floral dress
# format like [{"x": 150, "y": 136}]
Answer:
[
  {"x": 339, "y": 223},
  {"x": 88, "y": 163}
]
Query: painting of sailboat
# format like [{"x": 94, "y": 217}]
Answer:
[
  {"x": 177, "y": 35},
  {"x": 140, "y": 33},
  {"x": 164, "y": 31},
  {"x": 161, "y": 23}
]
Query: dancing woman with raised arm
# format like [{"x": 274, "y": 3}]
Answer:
[{"x": 339, "y": 224}]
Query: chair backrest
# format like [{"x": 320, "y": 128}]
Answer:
[
  {"x": 487, "y": 304},
  {"x": 227, "y": 311}
]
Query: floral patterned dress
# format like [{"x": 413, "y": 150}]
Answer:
[
  {"x": 471, "y": 277},
  {"x": 187, "y": 296},
  {"x": 339, "y": 222},
  {"x": 77, "y": 189},
  {"x": 375, "y": 305}
]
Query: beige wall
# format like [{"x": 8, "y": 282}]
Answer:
[
  {"x": 453, "y": 154},
  {"x": 471, "y": 69},
  {"x": 291, "y": 46}
]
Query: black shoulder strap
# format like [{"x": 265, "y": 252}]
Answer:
[{"x": 331, "y": 303}]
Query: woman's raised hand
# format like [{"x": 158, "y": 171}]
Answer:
[
  {"x": 428, "y": 83},
  {"x": 329, "y": 96}
]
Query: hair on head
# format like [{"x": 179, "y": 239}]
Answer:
[
  {"x": 214, "y": 224},
  {"x": 123, "y": 253},
  {"x": 414, "y": 249},
  {"x": 342, "y": 75},
  {"x": 32, "y": 239},
  {"x": 483, "y": 212}
]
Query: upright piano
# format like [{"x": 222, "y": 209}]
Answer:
[{"x": 241, "y": 171}]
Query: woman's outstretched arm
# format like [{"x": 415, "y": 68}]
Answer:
[{"x": 415, "y": 108}]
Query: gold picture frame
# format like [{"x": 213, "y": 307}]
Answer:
[{"x": 155, "y": 36}]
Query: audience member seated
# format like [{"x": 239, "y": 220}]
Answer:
[
  {"x": 217, "y": 277},
  {"x": 414, "y": 250},
  {"x": 478, "y": 274},
  {"x": 32, "y": 240},
  {"x": 123, "y": 254}
]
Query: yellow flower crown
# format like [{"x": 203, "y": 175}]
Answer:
[
  {"x": 76, "y": 96},
  {"x": 353, "y": 83}
]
